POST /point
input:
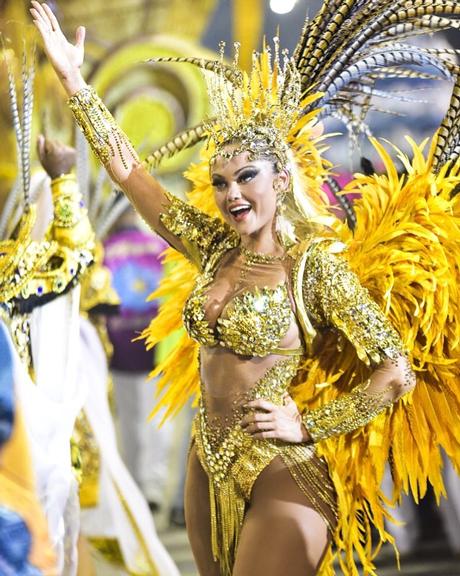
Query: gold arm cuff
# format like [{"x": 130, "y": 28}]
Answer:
[
  {"x": 346, "y": 413},
  {"x": 98, "y": 125},
  {"x": 71, "y": 226}
]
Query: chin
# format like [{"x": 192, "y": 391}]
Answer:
[{"x": 243, "y": 228}]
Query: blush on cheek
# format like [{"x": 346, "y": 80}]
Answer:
[{"x": 219, "y": 204}]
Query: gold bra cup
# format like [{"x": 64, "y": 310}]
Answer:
[
  {"x": 194, "y": 317},
  {"x": 252, "y": 324}
]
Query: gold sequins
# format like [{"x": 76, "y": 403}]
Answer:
[
  {"x": 334, "y": 297},
  {"x": 233, "y": 460},
  {"x": 99, "y": 127},
  {"x": 255, "y": 322}
]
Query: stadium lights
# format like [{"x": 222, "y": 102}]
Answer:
[{"x": 282, "y": 6}]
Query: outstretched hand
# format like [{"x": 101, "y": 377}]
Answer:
[
  {"x": 66, "y": 58},
  {"x": 268, "y": 420}
]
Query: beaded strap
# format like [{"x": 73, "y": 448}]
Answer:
[
  {"x": 347, "y": 413},
  {"x": 99, "y": 127}
]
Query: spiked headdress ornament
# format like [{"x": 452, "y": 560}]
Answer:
[{"x": 257, "y": 113}]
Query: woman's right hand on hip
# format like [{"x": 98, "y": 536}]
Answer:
[{"x": 66, "y": 58}]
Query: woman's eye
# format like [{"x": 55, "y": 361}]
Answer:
[
  {"x": 247, "y": 176},
  {"x": 219, "y": 185}
]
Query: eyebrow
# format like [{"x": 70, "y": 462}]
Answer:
[{"x": 216, "y": 175}]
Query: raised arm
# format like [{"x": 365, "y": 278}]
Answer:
[
  {"x": 182, "y": 226},
  {"x": 335, "y": 298}
]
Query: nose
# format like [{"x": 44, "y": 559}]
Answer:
[{"x": 233, "y": 192}]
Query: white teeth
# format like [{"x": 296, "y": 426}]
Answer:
[{"x": 238, "y": 209}]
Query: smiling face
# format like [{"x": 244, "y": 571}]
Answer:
[{"x": 245, "y": 192}]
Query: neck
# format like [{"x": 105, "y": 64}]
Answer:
[{"x": 262, "y": 244}]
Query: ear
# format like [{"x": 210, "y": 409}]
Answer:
[{"x": 283, "y": 179}]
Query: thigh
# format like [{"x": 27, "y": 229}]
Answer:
[
  {"x": 282, "y": 533},
  {"x": 198, "y": 516}
]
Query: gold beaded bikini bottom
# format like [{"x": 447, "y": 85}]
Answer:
[{"x": 233, "y": 460}]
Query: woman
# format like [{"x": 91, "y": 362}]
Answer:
[{"x": 259, "y": 307}]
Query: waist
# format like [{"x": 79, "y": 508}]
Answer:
[{"x": 223, "y": 398}]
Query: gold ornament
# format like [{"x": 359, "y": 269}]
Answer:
[
  {"x": 21, "y": 258},
  {"x": 233, "y": 461},
  {"x": 98, "y": 126},
  {"x": 30, "y": 268},
  {"x": 96, "y": 284}
]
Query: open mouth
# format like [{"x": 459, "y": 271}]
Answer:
[{"x": 240, "y": 212}]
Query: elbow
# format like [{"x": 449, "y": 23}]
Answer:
[{"x": 404, "y": 379}]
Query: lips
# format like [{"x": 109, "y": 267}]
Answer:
[{"x": 240, "y": 211}]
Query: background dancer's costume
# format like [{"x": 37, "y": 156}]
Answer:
[
  {"x": 404, "y": 250},
  {"x": 59, "y": 367},
  {"x": 115, "y": 517},
  {"x": 40, "y": 296}
]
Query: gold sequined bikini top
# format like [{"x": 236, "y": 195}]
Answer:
[{"x": 252, "y": 323}]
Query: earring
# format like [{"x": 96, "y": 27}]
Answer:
[{"x": 280, "y": 195}]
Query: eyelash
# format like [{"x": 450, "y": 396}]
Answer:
[{"x": 242, "y": 179}]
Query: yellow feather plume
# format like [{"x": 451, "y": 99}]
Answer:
[{"x": 405, "y": 250}]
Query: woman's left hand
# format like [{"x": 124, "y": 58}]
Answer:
[{"x": 268, "y": 420}]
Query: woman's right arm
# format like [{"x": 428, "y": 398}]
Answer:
[{"x": 182, "y": 226}]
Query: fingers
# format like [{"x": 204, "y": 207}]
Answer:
[
  {"x": 257, "y": 422},
  {"x": 44, "y": 19},
  {"x": 261, "y": 404},
  {"x": 42, "y": 27},
  {"x": 257, "y": 417},
  {"x": 52, "y": 18},
  {"x": 39, "y": 14},
  {"x": 265, "y": 434},
  {"x": 80, "y": 36},
  {"x": 40, "y": 19},
  {"x": 257, "y": 427}
]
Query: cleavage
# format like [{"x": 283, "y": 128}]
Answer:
[{"x": 227, "y": 285}]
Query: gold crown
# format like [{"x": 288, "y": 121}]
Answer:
[{"x": 256, "y": 111}]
